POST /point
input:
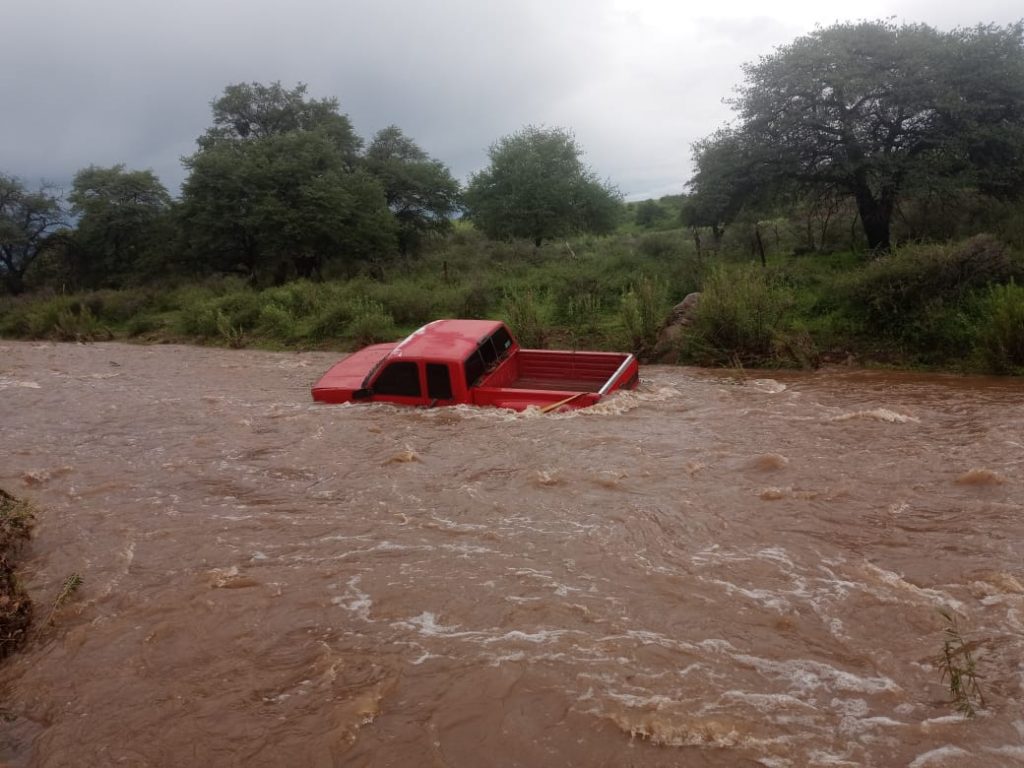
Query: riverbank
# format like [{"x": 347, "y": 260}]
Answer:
[
  {"x": 955, "y": 307},
  {"x": 16, "y": 521}
]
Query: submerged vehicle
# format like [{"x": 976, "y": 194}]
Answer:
[{"x": 475, "y": 362}]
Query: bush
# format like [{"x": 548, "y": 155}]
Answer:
[
  {"x": 642, "y": 310},
  {"x": 77, "y": 323},
  {"x": 277, "y": 322},
  {"x": 528, "y": 315},
  {"x": 408, "y": 303},
  {"x": 742, "y": 317},
  {"x": 901, "y": 284},
  {"x": 1001, "y": 329},
  {"x": 371, "y": 324},
  {"x": 662, "y": 245}
]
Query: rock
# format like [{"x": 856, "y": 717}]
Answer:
[
  {"x": 672, "y": 330},
  {"x": 683, "y": 312}
]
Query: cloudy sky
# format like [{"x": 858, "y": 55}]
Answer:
[{"x": 131, "y": 81}]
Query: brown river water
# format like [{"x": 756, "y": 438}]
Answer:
[{"x": 709, "y": 571}]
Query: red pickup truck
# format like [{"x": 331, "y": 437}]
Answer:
[{"x": 477, "y": 362}]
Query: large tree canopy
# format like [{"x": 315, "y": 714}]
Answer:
[
  {"x": 252, "y": 111},
  {"x": 27, "y": 220},
  {"x": 274, "y": 188},
  {"x": 874, "y": 111},
  {"x": 121, "y": 217},
  {"x": 420, "y": 191},
  {"x": 538, "y": 188},
  {"x": 283, "y": 203}
]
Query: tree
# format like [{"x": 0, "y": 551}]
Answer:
[
  {"x": 253, "y": 111},
  {"x": 287, "y": 202},
  {"x": 274, "y": 188},
  {"x": 419, "y": 190},
  {"x": 875, "y": 111},
  {"x": 723, "y": 182},
  {"x": 538, "y": 188},
  {"x": 649, "y": 213},
  {"x": 27, "y": 220},
  {"x": 122, "y": 217}
]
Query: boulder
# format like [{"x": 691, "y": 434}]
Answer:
[{"x": 672, "y": 330}]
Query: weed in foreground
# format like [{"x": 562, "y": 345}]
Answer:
[
  {"x": 67, "y": 590},
  {"x": 958, "y": 669}
]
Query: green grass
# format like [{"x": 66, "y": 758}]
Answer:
[{"x": 950, "y": 306}]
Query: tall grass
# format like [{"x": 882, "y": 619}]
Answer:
[
  {"x": 642, "y": 309},
  {"x": 1001, "y": 329},
  {"x": 743, "y": 314},
  {"x": 935, "y": 305}
]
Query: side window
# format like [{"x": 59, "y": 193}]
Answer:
[
  {"x": 398, "y": 379},
  {"x": 474, "y": 368},
  {"x": 439, "y": 382}
]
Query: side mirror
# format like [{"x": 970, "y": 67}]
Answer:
[{"x": 362, "y": 394}]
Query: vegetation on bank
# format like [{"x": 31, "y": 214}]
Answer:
[
  {"x": 956, "y": 306},
  {"x": 16, "y": 522}
]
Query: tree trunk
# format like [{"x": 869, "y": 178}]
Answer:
[
  {"x": 13, "y": 278},
  {"x": 876, "y": 216},
  {"x": 15, "y": 283},
  {"x": 760, "y": 246}
]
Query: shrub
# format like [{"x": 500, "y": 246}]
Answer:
[
  {"x": 371, "y": 324},
  {"x": 583, "y": 313},
  {"x": 642, "y": 310},
  {"x": 16, "y": 522},
  {"x": 277, "y": 322},
  {"x": 1001, "y": 329},
  {"x": 900, "y": 284},
  {"x": 528, "y": 315},
  {"x": 77, "y": 323},
  {"x": 742, "y": 314},
  {"x": 332, "y": 323},
  {"x": 408, "y": 303},
  {"x": 662, "y": 245}
]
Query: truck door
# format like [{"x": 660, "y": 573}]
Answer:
[
  {"x": 398, "y": 382},
  {"x": 439, "y": 384}
]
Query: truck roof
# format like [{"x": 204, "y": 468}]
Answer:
[{"x": 446, "y": 339}]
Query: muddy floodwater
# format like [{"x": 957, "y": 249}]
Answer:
[{"x": 710, "y": 571}]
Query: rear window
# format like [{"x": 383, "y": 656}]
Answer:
[
  {"x": 491, "y": 350},
  {"x": 398, "y": 379}
]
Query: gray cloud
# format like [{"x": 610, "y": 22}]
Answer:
[{"x": 119, "y": 81}]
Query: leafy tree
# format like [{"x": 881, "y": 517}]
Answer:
[
  {"x": 274, "y": 188},
  {"x": 420, "y": 191},
  {"x": 123, "y": 217},
  {"x": 723, "y": 181},
  {"x": 538, "y": 188},
  {"x": 875, "y": 111},
  {"x": 649, "y": 213},
  {"x": 284, "y": 203},
  {"x": 253, "y": 111},
  {"x": 27, "y": 221}
]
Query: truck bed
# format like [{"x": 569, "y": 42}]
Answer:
[
  {"x": 540, "y": 376},
  {"x": 558, "y": 370}
]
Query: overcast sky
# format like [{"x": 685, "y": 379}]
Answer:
[{"x": 131, "y": 81}]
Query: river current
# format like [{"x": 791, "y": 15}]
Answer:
[{"x": 719, "y": 569}]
